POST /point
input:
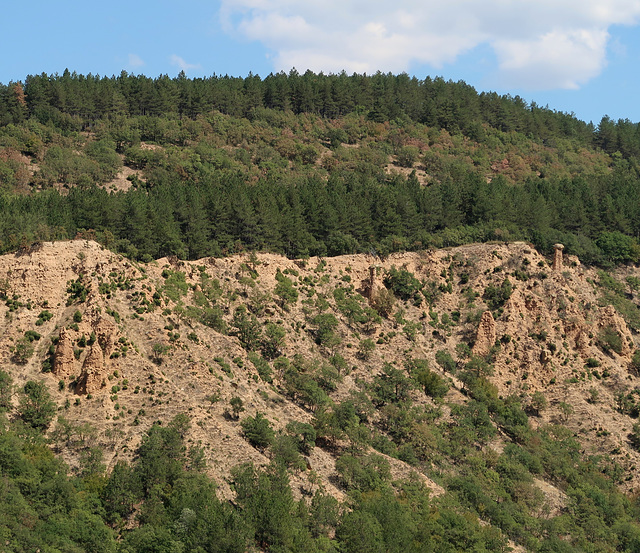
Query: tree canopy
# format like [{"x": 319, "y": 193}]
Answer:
[{"x": 307, "y": 165}]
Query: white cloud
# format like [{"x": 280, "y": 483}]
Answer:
[
  {"x": 182, "y": 64},
  {"x": 543, "y": 44},
  {"x": 567, "y": 59},
  {"x": 135, "y": 61}
]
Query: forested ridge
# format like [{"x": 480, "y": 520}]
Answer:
[{"x": 308, "y": 165}]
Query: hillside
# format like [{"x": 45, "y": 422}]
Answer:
[
  {"x": 504, "y": 381},
  {"x": 319, "y": 313},
  {"x": 308, "y": 165}
]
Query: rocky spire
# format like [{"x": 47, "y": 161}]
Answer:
[
  {"x": 93, "y": 371},
  {"x": 557, "y": 257},
  {"x": 486, "y": 336},
  {"x": 64, "y": 359}
]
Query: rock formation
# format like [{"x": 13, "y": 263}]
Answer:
[
  {"x": 373, "y": 283},
  {"x": 486, "y": 336},
  {"x": 64, "y": 359},
  {"x": 106, "y": 334},
  {"x": 557, "y": 257},
  {"x": 609, "y": 318},
  {"x": 551, "y": 330},
  {"x": 93, "y": 371},
  {"x": 545, "y": 356}
]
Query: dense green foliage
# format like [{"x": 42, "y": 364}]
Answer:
[
  {"x": 70, "y": 99},
  {"x": 176, "y": 509},
  {"x": 297, "y": 164},
  {"x": 41, "y": 509}
]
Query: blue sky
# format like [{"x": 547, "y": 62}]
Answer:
[{"x": 579, "y": 56}]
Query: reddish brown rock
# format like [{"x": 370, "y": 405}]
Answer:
[
  {"x": 545, "y": 356},
  {"x": 371, "y": 285}
]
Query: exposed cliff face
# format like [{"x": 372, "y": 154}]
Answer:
[
  {"x": 167, "y": 337},
  {"x": 610, "y": 320}
]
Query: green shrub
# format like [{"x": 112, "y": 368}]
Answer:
[
  {"x": 614, "y": 293},
  {"x": 159, "y": 351},
  {"x": 213, "y": 318},
  {"x": 634, "y": 436},
  {"x": 257, "y": 430},
  {"x": 404, "y": 285},
  {"x": 237, "y": 406},
  {"x": 635, "y": 361},
  {"x": 31, "y": 335},
  {"x": 285, "y": 291},
  {"x": 285, "y": 451},
  {"x": 610, "y": 340},
  {"x": 175, "y": 285},
  {"x": 36, "y": 407},
  {"x": 326, "y": 324},
  {"x": 366, "y": 474},
  {"x": 262, "y": 366},
  {"x": 77, "y": 291},
  {"x": 305, "y": 435},
  {"x": 539, "y": 402},
  {"x": 23, "y": 351},
  {"x": 431, "y": 383},
  {"x": 44, "y": 317},
  {"x": 365, "y": 348},
  {"x": 6, "y": 390},
  {"x": 273, "y": 340},
  {"x": 618, "y": 248},
  {"x": 446, "y": 361},
  {"x": 495, "y": 296},
  {"x": 408, "y": 156},
  {"x": 247, "y": 329}
]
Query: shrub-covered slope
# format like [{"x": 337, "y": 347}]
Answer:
[{"x": 473, "y": 398}]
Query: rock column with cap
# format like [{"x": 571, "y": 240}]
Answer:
[
  {"x": 557, "y": 257},
  {"x": 373, "y": 283}
]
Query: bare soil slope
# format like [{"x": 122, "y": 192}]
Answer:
[{"x": 123, "y": 345}]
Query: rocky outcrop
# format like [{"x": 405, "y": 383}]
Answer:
[
  {"x": 551, "y": 333},
  {"x": 64, "y": 360},
  {"x": 545, "y": 356},
  {"x": 486, "y": 336},
  {"x": 93, "y": 374},
  {"x": 371, "y": 285},
  {"x": 106, "y": 335},
  {"x": 609, "y": 318}
]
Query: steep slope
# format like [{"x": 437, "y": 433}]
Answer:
[{"x": 122, "y": 345}]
